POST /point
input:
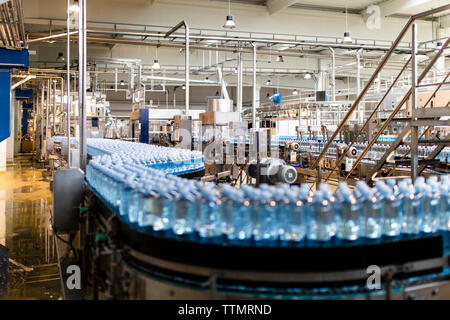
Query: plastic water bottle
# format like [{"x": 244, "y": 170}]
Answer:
[
  {"x": 146, "y": 217},
  {"x": 347, "y": 212},
  {"x": 163, "y": 209},
  {"x": 430, "y": 204},
  {"x": 128, "y": 186},
  {"x": 268, "y": 218},
  {"x": 322, "y": 226},
  {"x": 134, "y": 203},
  {"x": 209, "y": 223},
  {"x": 185, "y": 212},
  {"x": 412, "y": 206},
  {"x": 444, "y": 204},
  {"x": 371, "y": 226},
  {"x": 236, "y": 214},
  {"x": 392, "y": 210},
  {"x": 294, "y": 214}
]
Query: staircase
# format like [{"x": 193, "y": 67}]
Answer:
[{"x": 423, "y": 117}]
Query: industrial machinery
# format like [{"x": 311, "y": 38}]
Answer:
[
  {"x": 272, "y": 171},
  {"x": 139, "y": 125},
  {"x": 127, "y": 256}
]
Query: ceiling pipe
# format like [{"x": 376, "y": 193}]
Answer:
[
  {"x": 196, "y": 47},
  {"x": 187, "y": 70}
]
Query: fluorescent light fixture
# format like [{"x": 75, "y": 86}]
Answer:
[
  {"x": 74, "y": 8},
  {"x": 347, "y": 38},
  {"x": 60, "y": 57},
  {"x": 156, "y": 65},
  {"x": 229, "y": 23}
]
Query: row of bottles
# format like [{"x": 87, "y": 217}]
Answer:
[
  {"x": 171, "y": 160},
  {"x": 149, "y": 197}
]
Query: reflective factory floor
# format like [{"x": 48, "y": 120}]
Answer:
[{"x": 25, "y": 229}]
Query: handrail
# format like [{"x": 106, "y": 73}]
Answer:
[
  {"x": 370, "y": 117},
  {"x": 402, "y": 102},
  {"x": 375, "y": 75}
]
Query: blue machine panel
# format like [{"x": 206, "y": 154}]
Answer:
[
  {"x": 5, "y": 100},
  {"x": 13, "y": 58},
  {"x": 27, "y": 106},
  {"x": 24, "y": 94},
  {"x": 144, "y": 138}
]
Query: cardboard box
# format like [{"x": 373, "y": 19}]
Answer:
[{"x": 27, "y": 146}]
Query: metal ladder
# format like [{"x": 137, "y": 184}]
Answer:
[{"x": 417, "y": 115}]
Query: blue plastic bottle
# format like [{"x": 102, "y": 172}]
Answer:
[
  {"x": 392, "y": 211},
  {"x": 371, "y": 224},
  {"x": 347, "y": 211},
  {"x": 322, "y": 226},
  {"x": 185, "y": 212},
  {"x": 210, "y": 222}
]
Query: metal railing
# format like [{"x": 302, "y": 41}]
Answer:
[
  {"x": 399, "y": 106},
  {"x": 369, "y": 84},
  {"x": 12, "y": 30},
  {"x": 377, "y": 72}
]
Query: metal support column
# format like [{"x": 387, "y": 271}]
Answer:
[
  {"x": 188, "y": 69},
  {"x": 414, "y": 128},
  {"x": 47, "y": 107},
  {"x": 187, "y": 66},
  {"x": 68, "y": 83},
  {"x": 239, "y": 84},
  {"x": 41, "y": 141},
  {"x": 333, "y": 75},
  {"x": 254, "y": 88},
  {"x": 54, "y": 81},
  {"x": 358, "y": 83},
  {"x": 82, "y": 82}
]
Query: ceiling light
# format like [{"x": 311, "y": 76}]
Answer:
[
  {"x": 347, "y": 38},
  {"x": 295, "y": 92},
  {"x": 235, "y": 70},
  {"x": 307, "y": 76},
  {"x": 74, "y": 8},
  {"x": 60, "y": 57},
  {"x": 229, "y": 23},
  {"x": 438, "y": 47},
  {"x": 122, "y": 83},
  {"x": 268, "y": 83},
  {"x": 156, "y": 65},
  {"x": 183, "y": 87},
  {"x": 280, "y": 59}
]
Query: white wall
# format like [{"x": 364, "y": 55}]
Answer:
[{"x": 3, "y": 156}]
